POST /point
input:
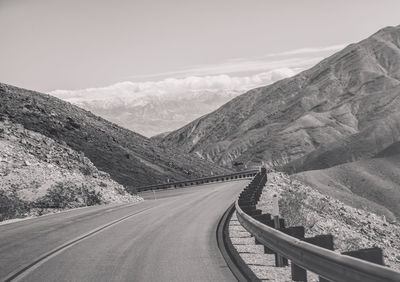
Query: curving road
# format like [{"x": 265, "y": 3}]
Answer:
[{"x": 170, "y": 238}]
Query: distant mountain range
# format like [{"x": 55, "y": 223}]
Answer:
[
  {"x": 343, "y": 110},
  {"x": 151, "y": 108}
]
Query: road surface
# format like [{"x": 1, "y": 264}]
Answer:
[{"x": 169, "y": 237}]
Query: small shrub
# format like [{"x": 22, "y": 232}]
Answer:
[
  {"x": 11, "y": 206},
  {"x": 68, "y": 195},
  {"x": 60, "y": 195},
  {"x": 90, "y": 197}
]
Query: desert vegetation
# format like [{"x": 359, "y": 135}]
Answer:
[{"x": 61, "y": 195}]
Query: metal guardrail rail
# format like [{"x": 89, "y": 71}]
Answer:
[
  {"x": 190, "y": 182},
  {"x": 329, "y": 265}
]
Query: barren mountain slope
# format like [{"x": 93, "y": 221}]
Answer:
[
  {"x": 129, "y": 158},
  {"x": 39, "y": 175},
  {"x": 361, "y": 184},
  {"x": 370, "y": 184},
  {"x": 345, "y": 108}
]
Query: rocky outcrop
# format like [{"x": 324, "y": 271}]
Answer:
[{"x": 40, "y": 175}]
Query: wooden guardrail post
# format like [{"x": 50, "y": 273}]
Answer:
[
  {"x": 278, "y": 258},
  {"x": 323, "y": 241},
  {"x": 374, "y": 255},
  {"x": 298, "y": 273}
]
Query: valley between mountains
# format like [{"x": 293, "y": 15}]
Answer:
[
  {"x": 334, "y": 127},
  {"x": 199, "y": 141},
  {"x": 55, "y": 156}
]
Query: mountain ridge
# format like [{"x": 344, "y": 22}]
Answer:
[
  {"x": 337, "y": 116},
  {"x": 130, "y": 158},
  {"x": 255, "y": 114},
  {"x": 154, "y": 107}
]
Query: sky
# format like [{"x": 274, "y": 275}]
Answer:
[{"x": 77, "y": 44}]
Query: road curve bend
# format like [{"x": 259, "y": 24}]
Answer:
[{"x": 169, "y": 237}]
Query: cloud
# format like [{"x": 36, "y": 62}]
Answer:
[
  {"x": 228, "y": 78},
  {"x": 238, "y": 66},
  {"x": 172, "y": 88},
  {"x": 298, "y": 58},
  {"x": 332, "y": 48}
]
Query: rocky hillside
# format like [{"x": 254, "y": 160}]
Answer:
[
  {"x": 343, "y": 109},
  {"x": 129, "y": 158},
  {"x": 320, "y": 214},
  {"x": 369, "y": 184},
  {"x": 40, "y": 175}
]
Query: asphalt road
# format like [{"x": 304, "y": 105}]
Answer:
[{"x": 169, "y": 237}]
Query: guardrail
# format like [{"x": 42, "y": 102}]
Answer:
[
  {"x": 198, "y": 181},
  {"x": 314, "y": 254}
]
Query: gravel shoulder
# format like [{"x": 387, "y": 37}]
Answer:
[{"x": 263, "y": 265}]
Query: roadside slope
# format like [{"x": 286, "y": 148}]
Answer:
[
  {"x": 372, "y": 184},
  {"x": 352, "y": 228},
  {"x": 39, "y": 175}
]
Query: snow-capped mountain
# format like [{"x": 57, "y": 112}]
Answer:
[{"x": 153, "y": 107}]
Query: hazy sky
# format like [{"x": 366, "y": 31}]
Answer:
[{"x": 72, "y": 44}]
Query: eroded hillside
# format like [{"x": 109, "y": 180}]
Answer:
[
  {"x": 343, "y": 109},
  {"x": 328, "y": 121},
  {"x": 370, "y": 184}
]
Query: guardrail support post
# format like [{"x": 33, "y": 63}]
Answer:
[
  {"x": 298, "y": 273},
  {"x": 374, "y": 255},
  {"x": 278, "y": 258},
  {"x": 323, "y": 241}
]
